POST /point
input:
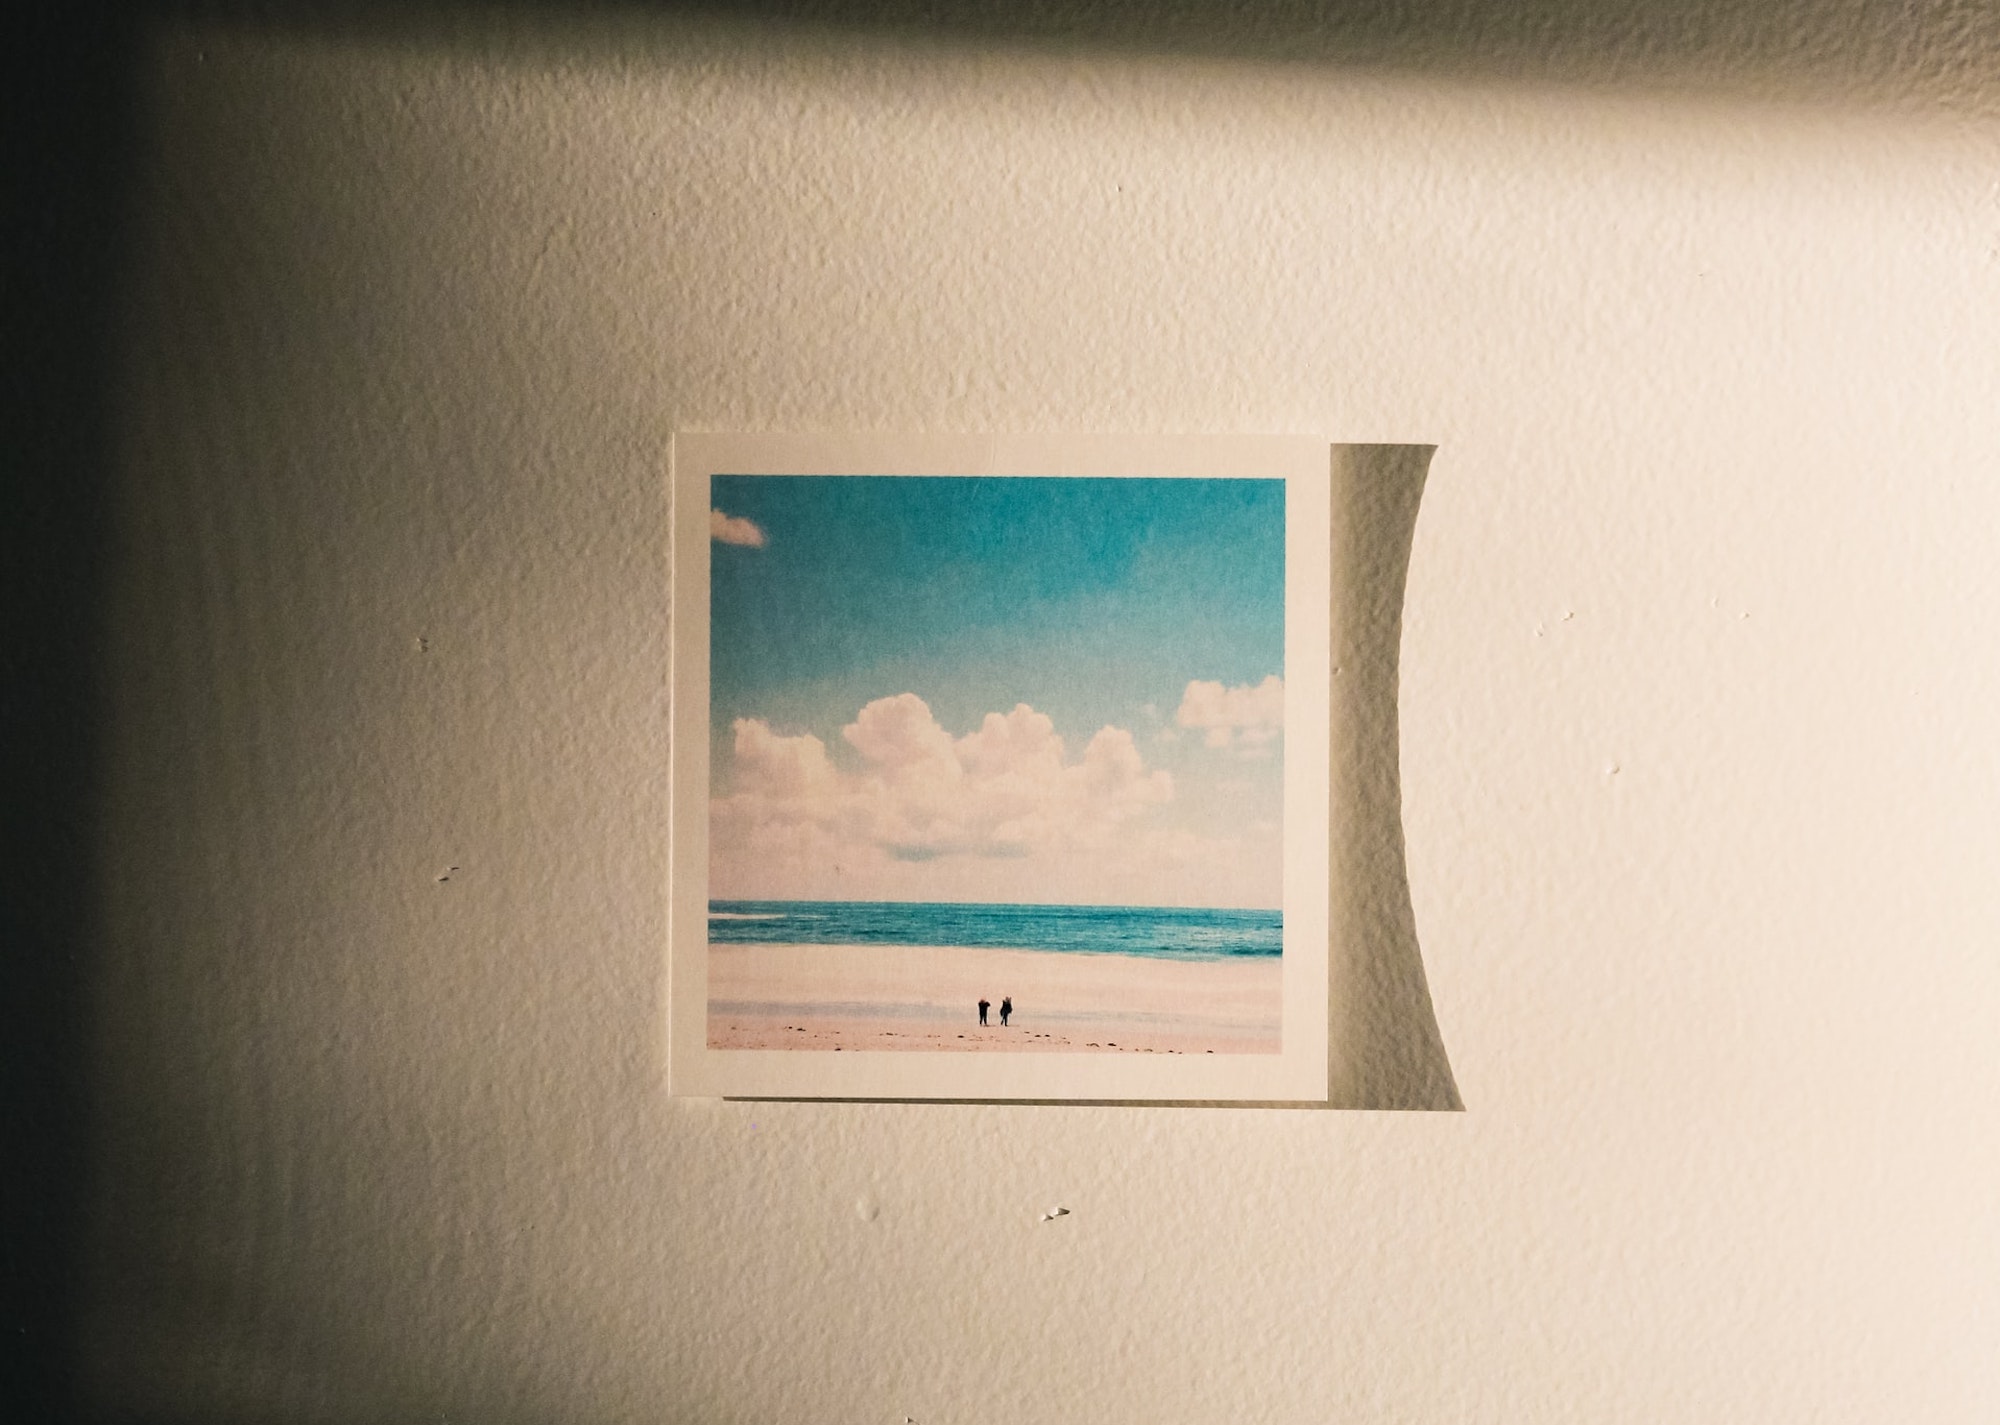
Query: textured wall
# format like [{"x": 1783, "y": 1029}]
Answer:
[{"x": 1697, "y": 685}]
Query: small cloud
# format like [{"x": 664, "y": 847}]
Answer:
[
  {"x": 1246, "y": 719},
  {"x": 734, "y": 529}
]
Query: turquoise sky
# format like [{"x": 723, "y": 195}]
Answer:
[{"x": 1090, "y": 599}]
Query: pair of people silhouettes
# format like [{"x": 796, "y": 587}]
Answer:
[{"x": 1006, "y": 1008}]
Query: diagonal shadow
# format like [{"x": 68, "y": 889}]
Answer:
[{"x": 1923, "y": 54}]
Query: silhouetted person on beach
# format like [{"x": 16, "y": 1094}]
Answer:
[
  {"x": 1006, "y": 1008},
  {"x": 982, "y": 1012}
]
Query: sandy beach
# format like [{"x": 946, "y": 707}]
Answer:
[{"x": 924, "y": 997}]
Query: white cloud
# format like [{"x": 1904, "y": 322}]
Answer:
[
  {"x": 734, "y": 529},
  {"x": 899, "y": 737},
  {"x": 781, "y": 769},
  {"x": 1248, "y": 719},
  {"x": 1006, "y": 792}
]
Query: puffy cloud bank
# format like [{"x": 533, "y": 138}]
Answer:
[
  {"x": 1005, "y": 790},
  {"x": 1248, "y": 719},
  {"x": 1005, "y": 812},
  {"x": 734, "y": 529}
]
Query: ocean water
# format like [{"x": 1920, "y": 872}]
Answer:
[{"x": 1151, "y": 932}]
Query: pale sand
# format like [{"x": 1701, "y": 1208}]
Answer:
[{"x": 876, "y": 997}]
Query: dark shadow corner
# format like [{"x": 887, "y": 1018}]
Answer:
[{"x": 68, "y": 97}]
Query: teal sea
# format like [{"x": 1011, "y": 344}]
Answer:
[{"x": 1148, "y": 932}]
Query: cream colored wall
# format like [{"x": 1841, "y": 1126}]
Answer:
[{"x": 1698, "y": 725}]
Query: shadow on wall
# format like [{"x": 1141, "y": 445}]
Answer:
[
  {"x": 68, "y": 99},
  {"x": 1383, "y": 1045},
  {"x": 70, "y": 155},
  {"x": 1922, "y": 54},
  {"x": 1851, "y": 49}
]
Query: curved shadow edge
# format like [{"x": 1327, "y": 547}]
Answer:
[{"x": 1384, "y": 1050}]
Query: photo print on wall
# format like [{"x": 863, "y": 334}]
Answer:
[{"x": 1000, "y": 768}]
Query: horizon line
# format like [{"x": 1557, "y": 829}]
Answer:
[{"x": 1026, "y": 905}]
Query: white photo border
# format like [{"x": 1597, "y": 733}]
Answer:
[{"x": 1298, "y": 1072}]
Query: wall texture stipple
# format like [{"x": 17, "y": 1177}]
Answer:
[{"x": 1695, "y": 688}]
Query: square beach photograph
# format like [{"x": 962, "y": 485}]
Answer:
[{"x": 993, "y": 758}]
